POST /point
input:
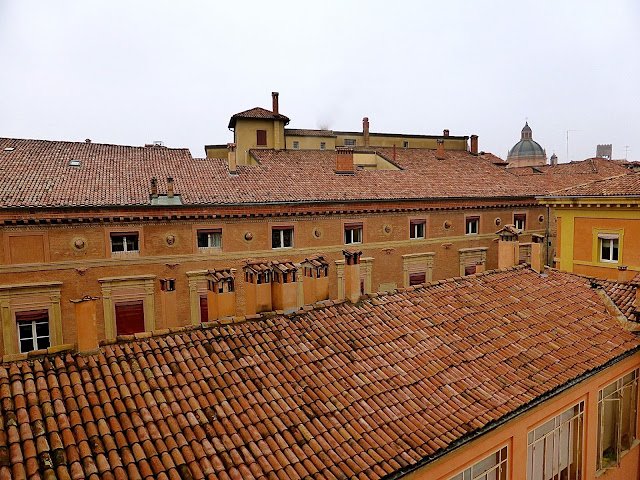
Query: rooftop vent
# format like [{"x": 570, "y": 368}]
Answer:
[
  {"x": 9, "y": 149},
  {"x": 74, "y": 163},
  {"x": 158, "y": 143}
]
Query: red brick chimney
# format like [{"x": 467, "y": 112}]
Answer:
[
  {"x": 352, "y": 275},
  {"x": 474, "y": 144},
  {"x": 231, "y": 158},
  {"x": 440, "y": 150},
  {"x": 344, "y": 160},
  {"x": 170, "y": 187},
  {"x": 365, "y": 130},
  {"x": 625, "y": 275},
  {"x": 154, "y": 187},
  {"x": 274, "y": 98},
  {"x": 445, "y": 132}
]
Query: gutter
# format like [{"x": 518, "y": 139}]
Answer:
[{"x": 398, "y": 474}]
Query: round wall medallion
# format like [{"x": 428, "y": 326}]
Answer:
[
  {"x": 317, "y": 232},
  {"x": 248, "y": 236},
  {"x": 387, "y": 229},
  {"x": 498, "y": 221},
  {"x": 170, "y": 239},
  {"x": 79, "y": 243},
  {"x": 447, "y": 224},
  {"x": 541, "y": 218}
]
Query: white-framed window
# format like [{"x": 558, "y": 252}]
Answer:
[
  {"x": 352, "y": 233},
  {"x": 296, "y": 145},
  {"x": 617, "y": 419},
  {"x": 417, "y": 228},
  {"x": 323, "y": 145},
  {"x": 520, "y": 221},
  {"x": 349, "y": 142},
  {"x": 281, "y": 237},
  {"x": 472, "y": 225},
  {"x": 33, "y": 330},
  {"x": 608, "y": 245},
  {"x": 405, "y": 144},
  {"x": 123, "y": 242},
  {"x": 554, "y": 449},
  {"x": 492, "y": 467},
  {"x": 209, "y": 238}
]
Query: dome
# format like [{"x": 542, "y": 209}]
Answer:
[
  {"x": 527, "y": 151},
  {"x": 526, "y": 148}
]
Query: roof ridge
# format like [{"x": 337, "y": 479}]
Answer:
[{"x": 550, "y": 194}]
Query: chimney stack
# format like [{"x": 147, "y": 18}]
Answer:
[
  {"x": 537, "y": 265},
  {"x": 274, "y": 97},
  {"x": 170, "y": 187},
  {"x": 344, "y": 160},
  {"x": 231, "y": 158},
  {"x": 352, "y": 275},
  {"x": 86, "y": 324},
  {"x": 440, "y": 150},
  {"x": 625, "y": 275},
  {"x": 474, "y": 144},
  {"x": 445, "y": 132},
  {"x": 154, "y": 187},
  {"x": 508, "y": 246},
  {"x": 365, "y": 130}
]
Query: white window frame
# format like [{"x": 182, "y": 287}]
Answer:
[
  {"x": 349, "y": 142},
  {"x": 417, "y": 229},
  {"x": 520, "y": 218},
  {"x": 550, "y": 444},
  {"x": 34, "y": 336},
  {"x": 211, "y": 234},
  {"x": 468, "y": 221},
  {"x": 617, "y": 398},
  {"x": 613, "y": 241},
  {"x": 499, "y": 470},
  {"x": 281, "y": 230},
  {"x": 353, "y": 235},
  {"x": 125, "y": 242}
]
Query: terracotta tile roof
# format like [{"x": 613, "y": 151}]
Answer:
[
  {"x": 283, "y": 266},
  {"x": 622, "y": 294},
  {"x": 316, "y": 261},
  {"x": 622, "y": 185},
  {"x": 346, "y": 391},
  {"x": 258, "y": 113},
  {"x": 300, "y": 132}
]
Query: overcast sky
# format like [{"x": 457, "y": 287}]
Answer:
[{"x": 132, "y": 72}]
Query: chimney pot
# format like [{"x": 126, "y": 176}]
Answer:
[
  {"x": 365, "y": 131},
  {"x": 231, "y": 157},
  {"x": 170, "y": 187},
  {"x": 352, "y": 275},
  {"x": 440, "y": 149},
  {"x": 154, "y": 187},
  {"x": 87, "y": 140},
  {"x": 344, "y": 160},
  {"x": 274, "y": 97},
  {"x": 474, "y": 144},
  {"x": 445, "y": 132}
]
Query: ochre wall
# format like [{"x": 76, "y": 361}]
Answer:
[
  {"x": 217, "y": 152},
  {"x": 246, "y": 136},
  {"x": 311, "y": 142},
  {"x": 398, "y": 141},
  {"x": 514, "y": 434}
]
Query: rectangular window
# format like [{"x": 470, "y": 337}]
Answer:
[
  {"x": 349, "y": 142},
  {"x": 261, "y": 138},
  {"x": 520, "y": 221},
  {"x": 210, "y": 238},
  {"x": 472, "y": 225},
  {"x": 554, "y": 449},
  {"x": 323, "y": 145},
  {"x": 608, "y": 247},
  {"x": 417, "y": 228},
  {"x": 352, "y": 233},
  {"x": 123, "y": 242},
  {"x": 168, "y": 284},
  {"x": 129, "y": 317},
  {"x": 493, "y": 467},
  {"x": 282, "y": 237},
  {"x": 417, "y": 278},
  {"x": 617, "y": 419},
  {"x": 405, "y": 144},
  {"x": 33, "y": 330},
  {"x": 470, "y": 269},
  {"x": 296, "y": 145}
]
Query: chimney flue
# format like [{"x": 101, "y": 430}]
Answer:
[
  {"x": 474, "y": 144},
  {"x": 440, "y": 150},
  {"x": 154, "y": 187},
  {"x": 274, "y": 97},
  {"x": 445, "y": 132},
  {"x": 344, "y": 160},
  {"x": 170, "y": 187},
  {"x": 365, "y": 130},
  {"x": 231, "y": 157}
]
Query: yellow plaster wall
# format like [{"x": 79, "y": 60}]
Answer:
[
  {"x": 217, "y": 152},
  {"x": 398, "y": 141},
  {"x": 310, "y": 143},
  {"x": 246, "y": 136}
]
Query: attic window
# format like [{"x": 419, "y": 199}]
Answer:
[
  {"x": 74, "y": 163},
  {"x": 349, "y": 142}
]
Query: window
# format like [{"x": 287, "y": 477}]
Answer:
[
  {"x": 261, "y": 138},
  {"x": 296, "y": 145},
  {"x": 352, "y": 233},
  {"x": 210, "y": 238},
  {"x": 123, "y": 242},
  {"x": 617, "y": 419},
  {"x": 168, "y": 284},
  {"x": 129, "y": 317},
  {"x": 554, "y": 449},
  {"x": 417, "y": 278},
  {"x": 405, "y": 144},
  {"x": 282, "y": 237},
  {"x": 417, "y": 228},
  {"x": 608, "y": 247},
  {"x": 493, "y": 467},
  {"x": 520, "y": 221},
  {"x": 349, "y": 142},
  {"x": 33, "y": 330},
  {"x": 470, "y": 269},
  {"x": 323, "y": 145},
  {"x": 472, "y": 225}
]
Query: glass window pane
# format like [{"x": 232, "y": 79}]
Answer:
[
  {"x": 25, "y": 330},
  {"x": 26, "y": 346},
  {"x": 275, "y": 239},
  {"x": 132, "y": 243},
  {"x": 117, "y": 243},
  {"x": 287, "y": 236},
  {"x": 42, "y": 329}
]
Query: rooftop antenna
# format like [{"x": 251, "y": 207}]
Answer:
[
  {"x": 626, "y": 150},
  {"x": 568, "y": 142}
]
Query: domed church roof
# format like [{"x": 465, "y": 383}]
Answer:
[{"x": 526, "y": 146}]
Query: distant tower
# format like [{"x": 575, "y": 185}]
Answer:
[
  {"x": 527, "y": 152},
  {"x": 604, "y": 151},
  {"x": 553, "y": 161}
]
